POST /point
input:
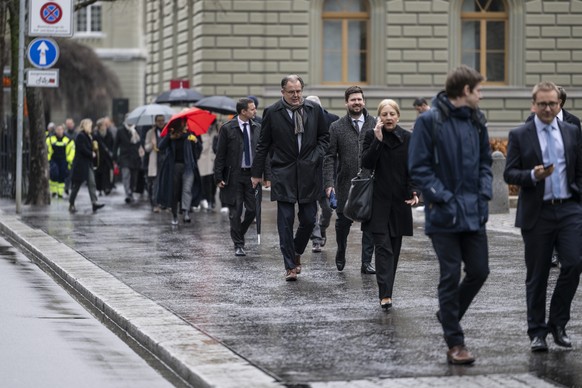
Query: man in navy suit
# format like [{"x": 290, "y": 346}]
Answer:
[{"x": 544, "y": 158}]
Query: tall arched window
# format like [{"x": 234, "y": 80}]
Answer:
[
  {"x": 345, "y": 41},
  {"x": 484, "y": 38}
]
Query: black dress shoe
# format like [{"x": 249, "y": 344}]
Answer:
[
  {"x": 239, "y": 251},
  {"x": 368, "y": 269},
  {"x": 386, "y": 303},
  {"x": 560, "y": 336},
  {"x": 538, "y": 344},
  {"x": 555, "y": 259},
  {"x": 97, "y": 206},
  {"x": 340, "y": 263}
]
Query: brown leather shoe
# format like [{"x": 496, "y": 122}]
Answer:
[
  {"x": 460, "y": 355},
  {"x": 297, "y": 263},
  {"x": 291, "y": 275}
]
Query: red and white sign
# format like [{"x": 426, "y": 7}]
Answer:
[{"x": 50, "y": 18}]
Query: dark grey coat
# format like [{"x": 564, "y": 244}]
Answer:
[
  {"x": 228, "y": 161},
  {"x": 344, "y": 152},
  {"x": 295, "y": 174}
]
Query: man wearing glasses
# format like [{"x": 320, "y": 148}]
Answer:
[
  {"x": 296, "y": 137},
  {"x": 544, "y": 157}
]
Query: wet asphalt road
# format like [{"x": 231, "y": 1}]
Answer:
[
  {"x": 328, "y": 326},
  {"x": 48, "y": 340}
]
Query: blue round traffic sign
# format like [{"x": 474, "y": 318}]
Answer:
[{"x": 43, "y": 53}]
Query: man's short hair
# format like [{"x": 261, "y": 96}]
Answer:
[
  {"x": 562, "y": 96},
  {"x": 419, "y": 102},
  {"x": 546, "y": 86},
  {"x": 255, "y": 100},
  {"x": 458, "y": 78},
  {"x": 291, "y": 77},
  {"x": 314, "y": 99},
  {"x": 243, "y": 104},
  {"x": 353, "y": 90}
]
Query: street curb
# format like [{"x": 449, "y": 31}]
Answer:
[{"x": 197, "y": 358}]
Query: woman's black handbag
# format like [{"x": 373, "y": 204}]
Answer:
[{"x": 358, "y": 207}]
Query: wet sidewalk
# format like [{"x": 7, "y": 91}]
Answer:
[
  {"x": 327, "y": 329},
  {"x": 48, "y": 340}
]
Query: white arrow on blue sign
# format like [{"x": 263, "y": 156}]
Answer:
[{"x": 43, "y": 53}]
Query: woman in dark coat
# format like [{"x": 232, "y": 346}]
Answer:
[
  {"x": 86, "y": 151},
  {"x": 385, "y": 150},
  {"x": 179, "y": 176},
  {"x": 104, "y": 172}
]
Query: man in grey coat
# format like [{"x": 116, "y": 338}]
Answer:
[
  {"x": 295, "y": 135},
  {"x": 344, "y": 151}
]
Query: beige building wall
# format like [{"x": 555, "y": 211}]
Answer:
[{"x": 241, "y": 47}]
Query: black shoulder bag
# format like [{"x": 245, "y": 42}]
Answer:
[{"x": 358, "y": 206}]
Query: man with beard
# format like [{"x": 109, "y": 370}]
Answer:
[{"x": 344, "y": 151}]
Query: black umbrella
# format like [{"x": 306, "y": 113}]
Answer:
[
  {"x": 218, "y": 104},
  {"x": 179, "y": 96},
  {"x": 258, "y": 200}
]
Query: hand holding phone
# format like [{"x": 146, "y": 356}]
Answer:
[{"x": 548, "y": 166}]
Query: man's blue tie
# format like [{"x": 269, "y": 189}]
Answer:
[
  {"x": 551, "y": 154},
  {"x": 247, "y": 149}
]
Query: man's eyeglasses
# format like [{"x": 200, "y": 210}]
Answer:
[
  {"x": 544, "y": 105},
  {"x": 293, "y": 92}
]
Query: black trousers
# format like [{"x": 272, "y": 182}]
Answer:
[
  {"x": 208, "y": 188},
  {"x": 342, "y": 231},
  {"x": 560, "y": 226},
  {"x": 245, "y": 195},
  {"x": 455, "y": 296},
  {"x": 285, "y": 219},
  {"x": 387, "y": 254}
]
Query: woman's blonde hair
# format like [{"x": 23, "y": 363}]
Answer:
[
  {"x": 391, "y": 103},
  {"x": 86, "y": 125}
]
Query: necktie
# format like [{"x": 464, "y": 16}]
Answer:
[
  {"x": 247, "y": 148},
  {"x": 356, "y": 125},
  {"x": 551, "y": 154}
]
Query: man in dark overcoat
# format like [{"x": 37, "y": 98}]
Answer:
[
  {"x": 344, "y": 151},
  {"x": 232, "y": 170},
  {"x": 295, "y": 135}
]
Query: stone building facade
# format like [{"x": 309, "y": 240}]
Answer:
[{"x": 406, "y": 47}]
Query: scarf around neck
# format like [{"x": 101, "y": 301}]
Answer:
[
  {"x": 298, "y": 117},
  {"x": 133, "y": 133}
]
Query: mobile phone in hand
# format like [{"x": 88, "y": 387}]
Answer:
[
  {"x": 332, "y": 200},
  {"x": 547, "y": 166}
]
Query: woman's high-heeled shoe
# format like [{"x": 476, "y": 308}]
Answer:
[{"x": 386, "y": 303}]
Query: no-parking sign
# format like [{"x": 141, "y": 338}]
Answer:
[{"x": 50, "y": 18}]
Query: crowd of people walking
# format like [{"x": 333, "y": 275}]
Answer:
[{"x": 309, "y": 157}]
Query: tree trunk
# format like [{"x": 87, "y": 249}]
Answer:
[
  {"x": 13, "y": 22},
  {"x": 38, "y": 189}
]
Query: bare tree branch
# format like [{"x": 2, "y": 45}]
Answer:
[{"x": 86, "y": 3}]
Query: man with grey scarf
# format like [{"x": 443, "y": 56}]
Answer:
[{"x": 296, "y": 137}]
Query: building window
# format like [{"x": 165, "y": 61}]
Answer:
[
  {"x": 484, "y": 26},
  {"x": 89, "y": 19},
  {"x": 345, "y": 41}
]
